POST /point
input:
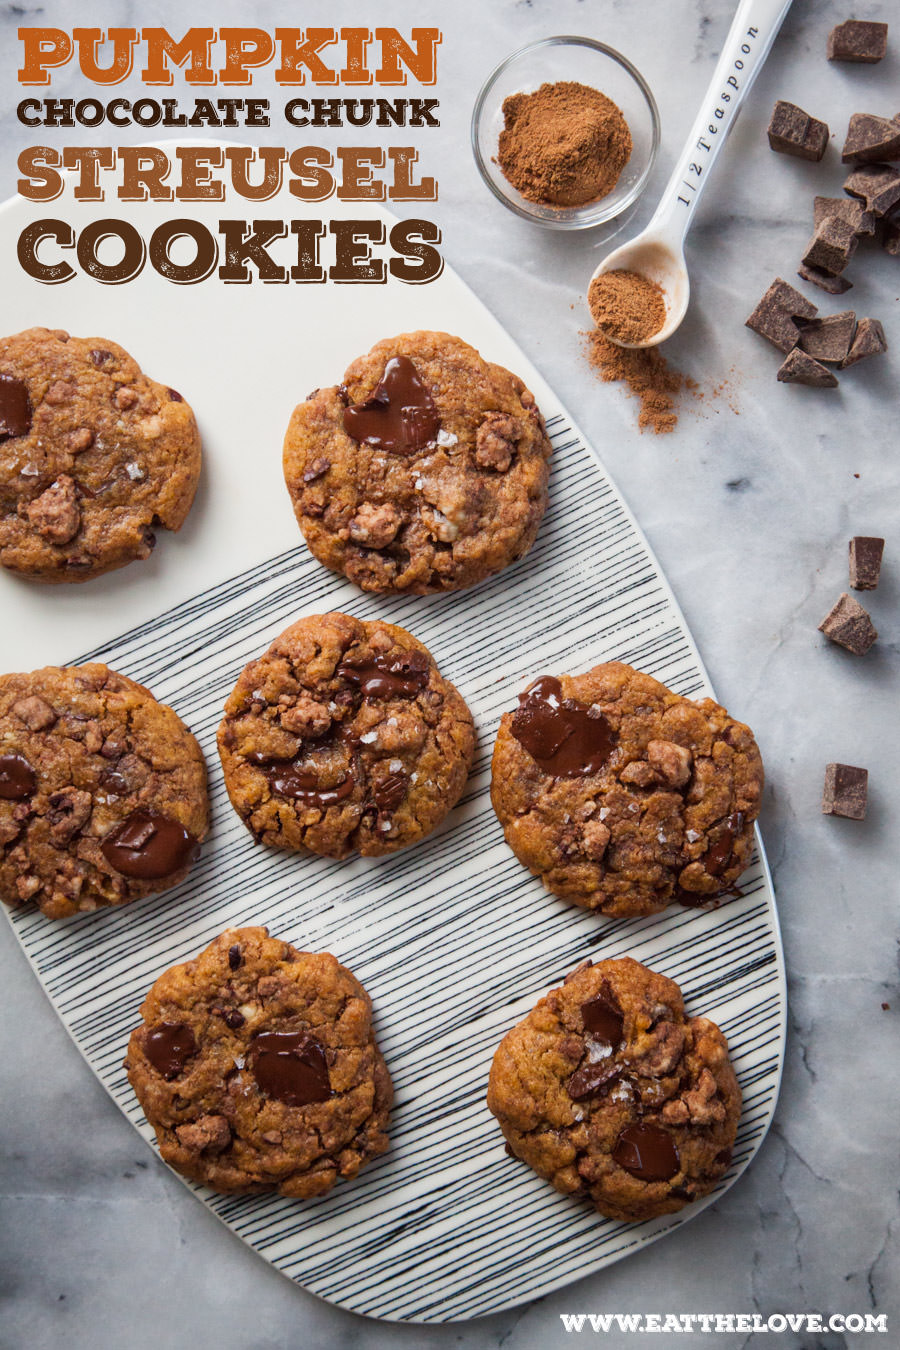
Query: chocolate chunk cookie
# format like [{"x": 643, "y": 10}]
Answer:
[
  {"x": 344, "y": 736},
  {"x": 608, "y": 1091},
  {"x": 102, "y": 791},
  {"x": 94, "y": 456},
  {"x": 623, "y": 796},
  {"x": 257, "y": 1067},
  {"x": 426, "y": 470}
]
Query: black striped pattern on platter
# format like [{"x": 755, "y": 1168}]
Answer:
[{"x": 453, "y": 939}]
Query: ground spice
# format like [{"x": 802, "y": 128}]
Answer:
[
  {"x": 563, "y": 145},
  {"x": 626, "y": 305},
  {"x": 648, "y": 376}
]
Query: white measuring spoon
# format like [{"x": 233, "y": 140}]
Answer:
[{"x": 658, "y": 251}]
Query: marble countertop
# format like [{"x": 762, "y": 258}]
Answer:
[{"x": 749, "y": 506}]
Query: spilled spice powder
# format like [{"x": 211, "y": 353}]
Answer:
[
  {"x": 648, "y": 376},
  {"x": 627, "y": 305},
  {"x": 563, "y": 145}
]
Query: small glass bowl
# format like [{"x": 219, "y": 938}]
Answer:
[{"x": 588, "y": 62}]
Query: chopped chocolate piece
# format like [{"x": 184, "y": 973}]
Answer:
[
  {"x": 865, "y": 561},
  {"x": 774, "y": 315},
  {"x": 794, "y": 132},
  {"x": 870, "y": 138},
  {"x": 848, "y": 624},
  {"x": 890, "y": 237},
  {"x": 832, "y": 246},
  {"x": 833, "y": 285},
  {"x": 869, "y": 341},
  {"x": 829, "y": 339},
  {"x": 852, "y": 210},
  {"x": 846, "y": 791},
  {"x": 798, "y": 368},
  {"x": 877, "y": 184},
  {"x": 858, "y": 40}
]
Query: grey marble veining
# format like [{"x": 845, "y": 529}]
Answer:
[{"x": 749, "y": 506}]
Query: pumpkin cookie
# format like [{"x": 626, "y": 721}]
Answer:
[
  {"x": 94, "y": 456},
  {"x": 610, "y": 1092},
  {"x": 257, "y": 1067},
  {"x": 623, "y": 796},
  {"x": 344, "y": 737},
  {"x": 425, "y": 470},
  {"x": 102, "y": 791}
]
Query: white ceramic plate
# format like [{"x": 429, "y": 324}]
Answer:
[{"x": 453, "y": 939}]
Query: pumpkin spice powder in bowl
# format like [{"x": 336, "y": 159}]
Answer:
[{"x": 565, "y": 133}]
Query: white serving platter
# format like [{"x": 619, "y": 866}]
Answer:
[{"x": 453, "y": 939}]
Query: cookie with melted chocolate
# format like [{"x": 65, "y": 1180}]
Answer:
[
  {"x": 425, "y": 470},
  {"x": 257, "y": 1067},
  {"x": 610, "y": 1092},
  {"x": 624, "y": 796},
  {"x": 102, "y": 791},
  {"x": 344, "y": 737},
  {"x": 94, "y": 456}
]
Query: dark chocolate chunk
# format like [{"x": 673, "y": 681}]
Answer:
[
  {"x": 15, "y": 408},
  {"x": 794, "y": 132},
  {"x": 148, "y": 845},
  {"x": 833, "y": 285},
  {"x": 869, "y": 341},
  {"x": 865, "y": 561},
  {"x": 399, "y": 414},
  {"x": 565, "y": 738},
  {"x": 858, "y": 40},
  {"x": 832, "y": 246},
  {"x": 798, "y": 368},
  {"x": 288, "y": 779},
  {"x": 592, "y": 1078},
  {"x": 169, "y": 1046},
  {"x": 235, "y": 957},
  {"x": 890, "y": 237},
  {"x": 17, "y": 778},
  {"x": 647, "y": 1152},
  {"x": 400, "y": 676},
  {"x": 846, "y": 791},
  {"x": 718, "y": 855},
  {"x": 774, "y": 316},
  {"x": 389, "y": 793},
  {"x": 870, "y": 138},
  {"x": 100, "y": 356},
  {"x": 877, "y": 185},
  {"x": 852, "y": 210},
  {"x": 829, "y": 339},
  {"x": 848, "y": 624},
  {"x": 602, "y": 1016},
  {"x": 291, "y": 1067}
]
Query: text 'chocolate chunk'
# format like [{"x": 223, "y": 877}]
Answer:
[
  {"x": 848, "y": 624},
  {"x": 846, "y": 791},
  {"x": 871, "y": 138},
  {"x": 829, "y": 339},
  {"x": 774, "y": 316},
  {"x": 858, "y": 40},
  {"x": 798, "y": 368},
  {"x": 794, "y": 132},
  {"x": 869, "y": 341},
  {"x": 865, "y": 561}
]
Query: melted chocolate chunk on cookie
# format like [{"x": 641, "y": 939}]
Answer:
[
  {"x": 287, "y": 779},
  {"x": 602, "y": 1016},
  {"x": 389, "y": 793},
  {"x": 592, "y": 1079},
  {"x": 718, "y": 855},
  {"x": 234, "y": 957},
  {"x": 15, "y": 408},
  {"x": 291, "y": 1067},
  {"x": 565, "y": 738},
  {"x": 388, "y": 676},
  {"x": 169, "y": 1046},
  {"x": 148, "y": 845},
  {"x": 399, "y": 414},
  {"x": 17, "y": 778},
  {"x": 647, "y": 1152}
]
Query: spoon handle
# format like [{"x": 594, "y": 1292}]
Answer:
[{"x": 749, "y": 42}]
